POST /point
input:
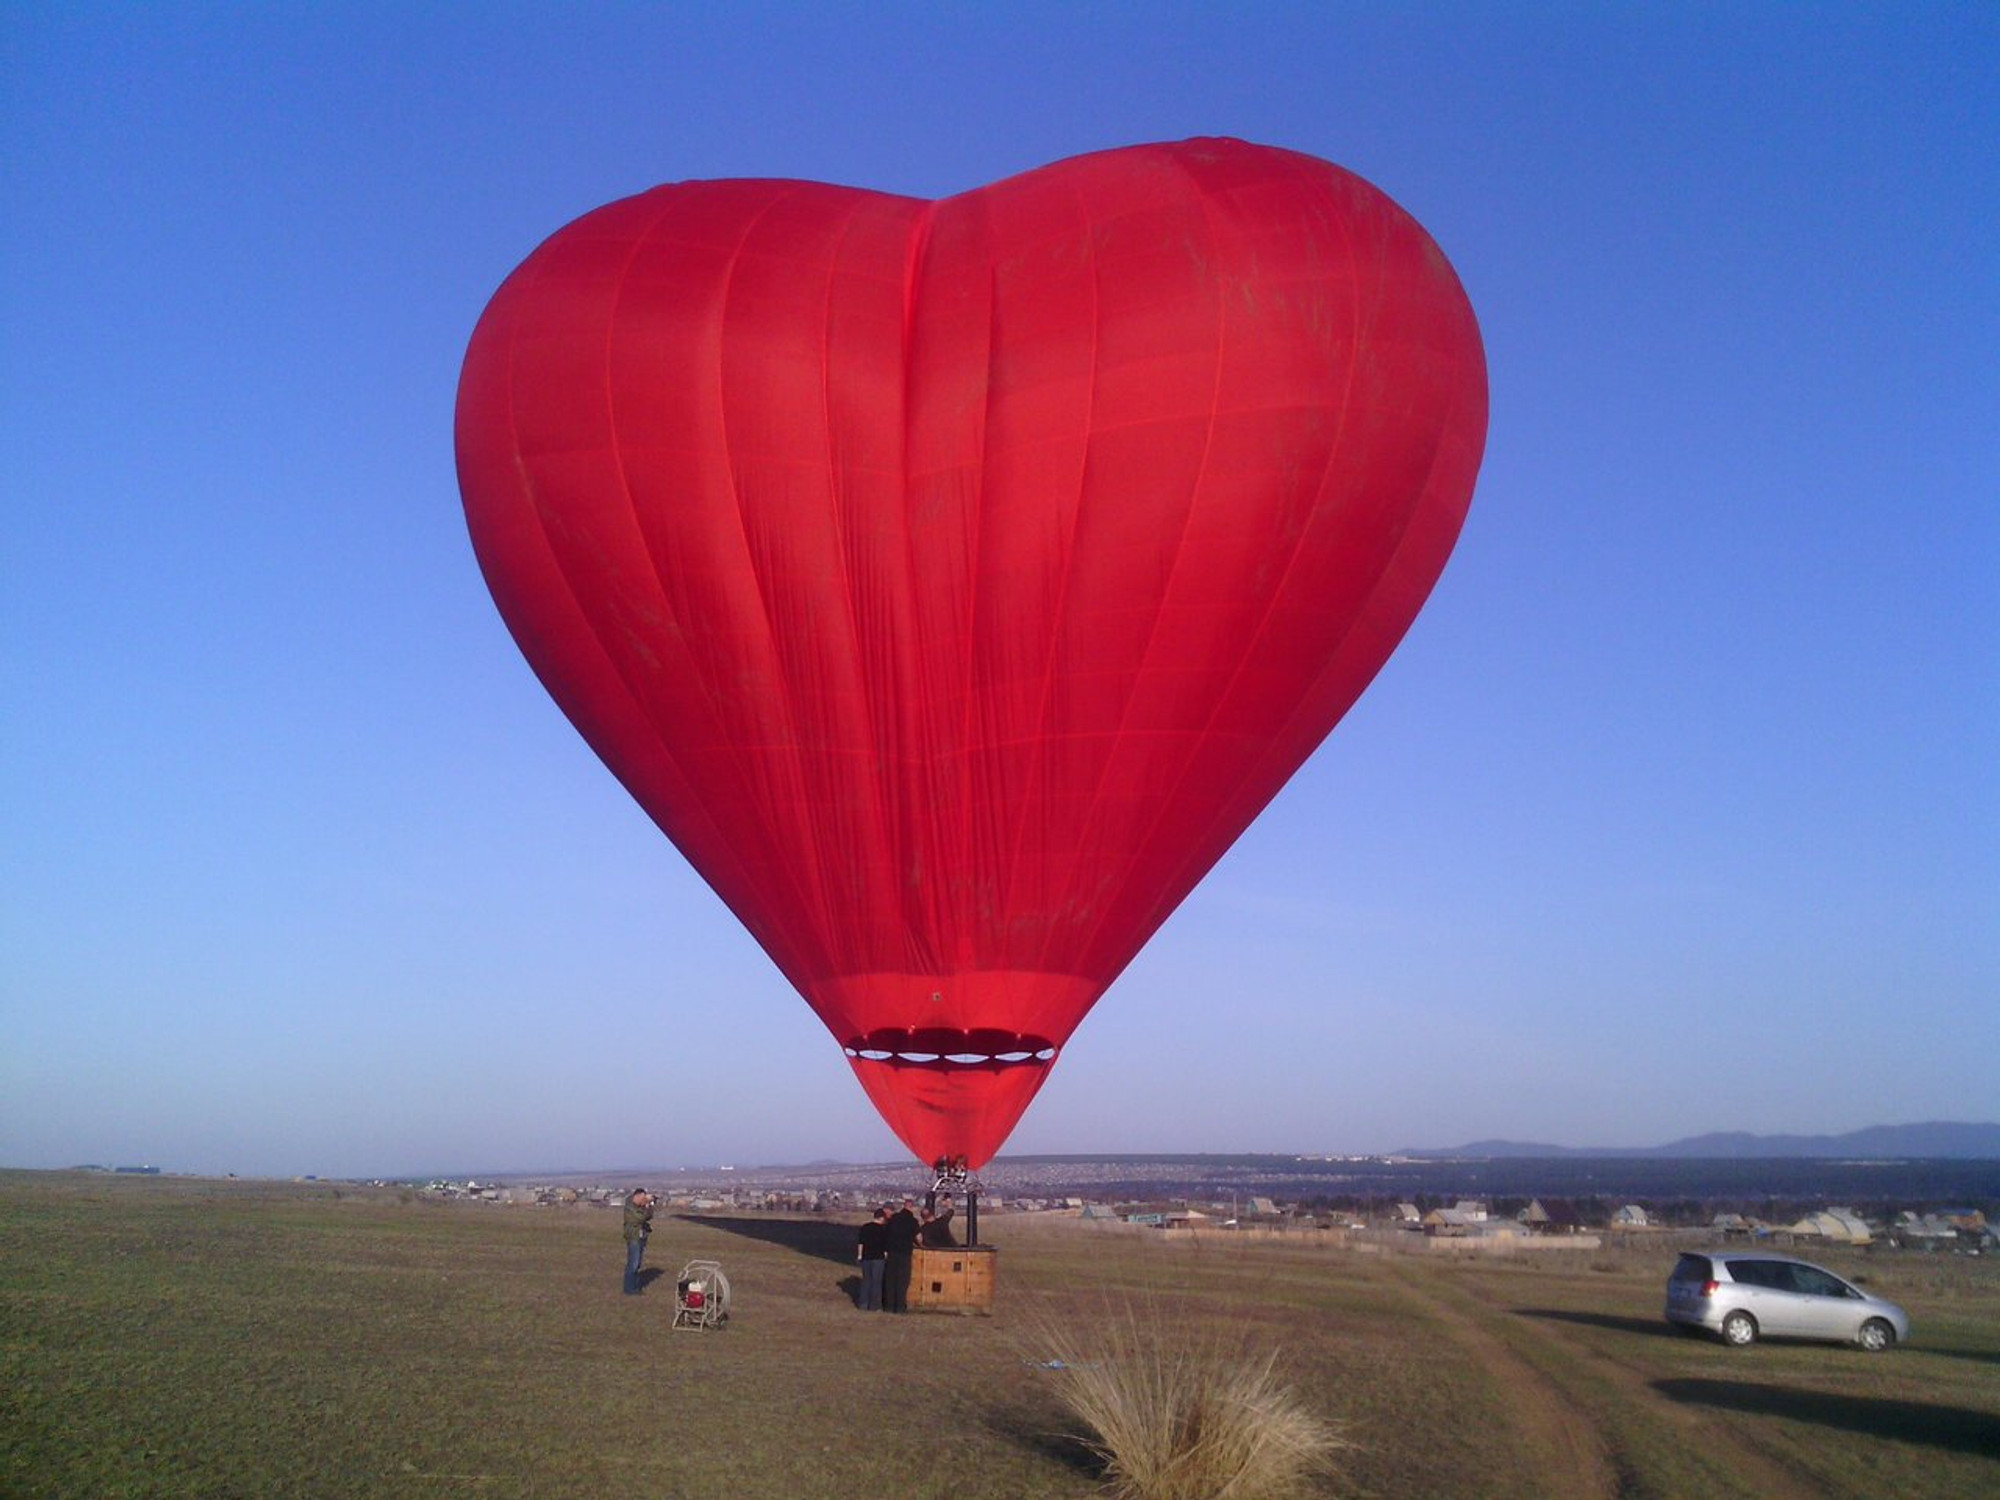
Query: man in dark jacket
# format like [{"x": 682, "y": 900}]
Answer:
[
  {"x": 934, "y": 1233},
  {"x": 902, "y": 1232},
  {"x": 638, "y": 1224},
  {"x": 871, "y": 1249}
]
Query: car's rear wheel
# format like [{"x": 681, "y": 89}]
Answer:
[
  {"x": 1875, "y": 1336},
  {"x": 1739, "y": 1330}
]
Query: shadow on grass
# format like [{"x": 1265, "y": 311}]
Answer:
[
  {"x": 1039, "y": 1430},
  {"x": 1652, "y": 1328},
  {"x": 823, "y": 1241},
  {"x": 1952, "y": 1427}
]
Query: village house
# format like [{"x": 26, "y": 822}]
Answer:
[
  {"x": 1552, "y": 1216},
  {"x": 1448, "y": 1223}
]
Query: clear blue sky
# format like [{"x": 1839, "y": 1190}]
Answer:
[{"x": 1678, "y": 810}]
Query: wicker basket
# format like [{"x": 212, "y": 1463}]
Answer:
[{"x": 959, "y": 1280}]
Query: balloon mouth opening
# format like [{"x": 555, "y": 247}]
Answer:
[{"x": 934, "y": 1048}]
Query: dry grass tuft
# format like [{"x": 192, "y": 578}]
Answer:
[{"x": 1174, "y": 1417}]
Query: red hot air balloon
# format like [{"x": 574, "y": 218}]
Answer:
[{"x": 954, "y": 581}]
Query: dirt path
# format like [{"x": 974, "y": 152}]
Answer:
[
  {"x": 1568, "y": 1412},
  {"x": 1573, "y": 1458},
  {"x": 1759, "y": 1474}
]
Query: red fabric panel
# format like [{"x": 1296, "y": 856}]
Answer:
[{"x": 954, "y": 582}]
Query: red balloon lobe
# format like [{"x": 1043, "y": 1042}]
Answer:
[{"x": 952, "y": 582}]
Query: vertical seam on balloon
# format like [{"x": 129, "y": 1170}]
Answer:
[
  {"x": 1259, "y": 770},
  {"x": 638, "y": 525},
  {"x": 639, "y": 243},
  {"x": 1358, "y": 318},
  {"x": 1445, "y": 427},
  {"x": 922, "y": 752},
  {"x": 1169, "y": 800},
  {"x": 976, "y": 809},
  {"x": 1180, "y": 551},
  {"x": 856, "y": 637},
  {"x": 1038, "y": 769},
  {"x": 554, "y": 557},
  {"x": 812, "y": 864},
  {"x": 958, "y": 910}
]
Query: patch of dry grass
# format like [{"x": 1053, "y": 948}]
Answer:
[{"x": 1181, "y": 1416}]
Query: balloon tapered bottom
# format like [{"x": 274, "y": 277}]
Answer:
[{"x": 951, "y": 1094}]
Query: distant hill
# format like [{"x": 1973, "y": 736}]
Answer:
[{"x": 1936, "y": 1140}]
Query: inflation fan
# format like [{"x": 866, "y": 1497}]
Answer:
[{"x": 701, "y": 1296}]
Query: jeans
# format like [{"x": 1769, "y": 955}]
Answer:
[
  {"x": 635, "y": 1252},
  {"x": 871, "y": 1285}
]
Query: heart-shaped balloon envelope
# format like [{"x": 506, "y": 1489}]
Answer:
[{"x": 954, "y": 581}]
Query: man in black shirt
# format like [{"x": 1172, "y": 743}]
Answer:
[
  {"x": 871, "y": 1246},
  {"x": 902, "y": 1233}
]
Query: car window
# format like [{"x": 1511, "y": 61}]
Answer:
[
  {"x": 1817, "y": 1283},
  {"x": 1692, "y": 1268},
  {"x": 1756, "y": 1272}
]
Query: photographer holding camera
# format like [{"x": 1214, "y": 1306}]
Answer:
[{"x": 638, "y": 1225}]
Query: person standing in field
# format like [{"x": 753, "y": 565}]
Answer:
[
  {"x": 902, "y": 1234},
  {"x": 638, "y": 1225},
  {"x": 871, "y": 1249}
]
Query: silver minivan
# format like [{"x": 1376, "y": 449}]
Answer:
[{"x": 1745, "y": 1295}]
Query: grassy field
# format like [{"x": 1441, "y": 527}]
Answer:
[{"x": 178, "y": 1337}]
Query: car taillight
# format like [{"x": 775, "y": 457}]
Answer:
[{"x": 1709, "y": 1288}]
